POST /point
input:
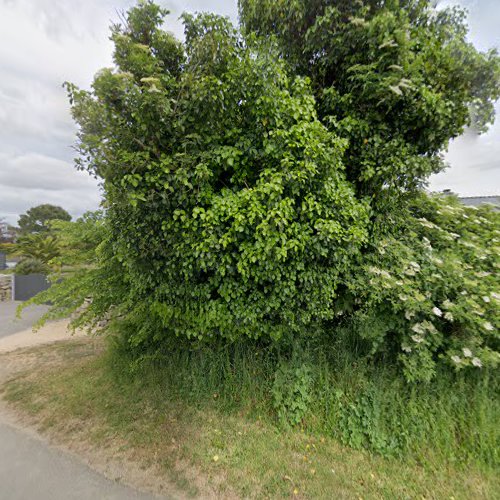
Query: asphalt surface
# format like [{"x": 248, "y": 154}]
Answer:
[
  {"x": 9, "y": 324},
  {"x": 31, "y": 470}
]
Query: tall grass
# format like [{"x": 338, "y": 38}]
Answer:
[{"x": 361, "y": 403}]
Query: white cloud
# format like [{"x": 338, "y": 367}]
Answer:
[
  {"x": 475, "y": 160},
  {"x": 75, "y": 201},
  {"x": 44, "y": 43},
  {"x": 36, "y": 171},
  {"x": 475, "y": 165},
  {"x": 33, "y": 179}
]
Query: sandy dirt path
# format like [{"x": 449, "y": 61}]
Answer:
[{"x": 51, "y": 332}]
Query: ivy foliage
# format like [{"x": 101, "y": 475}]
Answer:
[
  {"x": 266, "y": 186},
  {"x": 229, "y": 208}
]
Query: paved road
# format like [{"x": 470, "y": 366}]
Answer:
[
  {"x": 31, "y": 470},
  {"x": 9, "y": 324}
]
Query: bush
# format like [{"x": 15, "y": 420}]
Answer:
[
  {"x": 244, "y": 225},
  {"x": 428, "y": 292},
  {"x": 31, "y": 266},
  {"x": 267, "y": 188}
]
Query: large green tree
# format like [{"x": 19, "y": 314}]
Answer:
[
  {"x": 228, "y": 204},
  {"x": 37, "y": 219},
  {"x": 265, "y": 186},
  {"x": 397, "y": 78}
]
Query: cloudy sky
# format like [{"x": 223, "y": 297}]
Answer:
[{"x": 46, "y": 42}]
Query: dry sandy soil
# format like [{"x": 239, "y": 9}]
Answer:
[{"x": 51, "y": 332}]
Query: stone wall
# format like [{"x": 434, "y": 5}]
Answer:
[{"x": 5, "y": 287}]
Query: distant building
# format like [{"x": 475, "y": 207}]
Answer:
[
  {"x": 6, "y": 233},
  {"x": 475, "y": 201}
]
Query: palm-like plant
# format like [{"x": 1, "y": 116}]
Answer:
[{"x": 39, "y": 246}]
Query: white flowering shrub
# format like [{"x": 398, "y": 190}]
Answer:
[{"x": 429, "y": 289}]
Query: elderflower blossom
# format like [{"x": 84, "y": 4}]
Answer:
[
  {"x": 488, "y": 326},
  {"x": 448, "y": 316},
  {"x": 417, "y": 339},
  {"x": 486, "y": 298},
  {"x": 429, "y": 327},
  {"x": 477, "y": 362},
  {"x": 482, "y": 274},
  {"x": 437, "y": 260},
  {"x": 426, "y": 223},
  {"x": 468, "y": 244},
  {"x": 467, "y": 352},
  {"x": 418, "y": 328},
  {"x": 437, "y": 311},
  {"x": 406, "y": 348},
  {"x": 409, "y": 314},
  {"x": 456, "y": 359},
  {"x": 447, "y": 304},
  {"x": 495, "y": 295}
]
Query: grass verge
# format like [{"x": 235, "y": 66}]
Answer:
[{"x": 211, "y": 448}]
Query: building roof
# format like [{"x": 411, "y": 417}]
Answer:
[{"x": 479, "y": 200}]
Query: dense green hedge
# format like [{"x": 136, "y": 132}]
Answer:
[{"x": 268, "y": 187}]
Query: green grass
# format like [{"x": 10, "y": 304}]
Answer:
[
  {"x": 207, "y": 419},
  {"x": 453, "y": 419}
]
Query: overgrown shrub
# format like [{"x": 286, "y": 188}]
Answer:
[
  {"x": 428, "y": 292},
  {"x": 236, "y": 220},
  {"x": 31, "y": 266},
  {"x": 267, "y": 187}
]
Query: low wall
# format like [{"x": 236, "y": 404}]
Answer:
[
  {"x": 27, "y": 286},
  {"x": 5, "y": 287}
]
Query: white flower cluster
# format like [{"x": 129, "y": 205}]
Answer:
[
  {"x": 437, "y": 311},
  {"x": 467, "y": 354},
  {"x": 426, "y": 223},
  {"x": 412, "y": 269}
]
